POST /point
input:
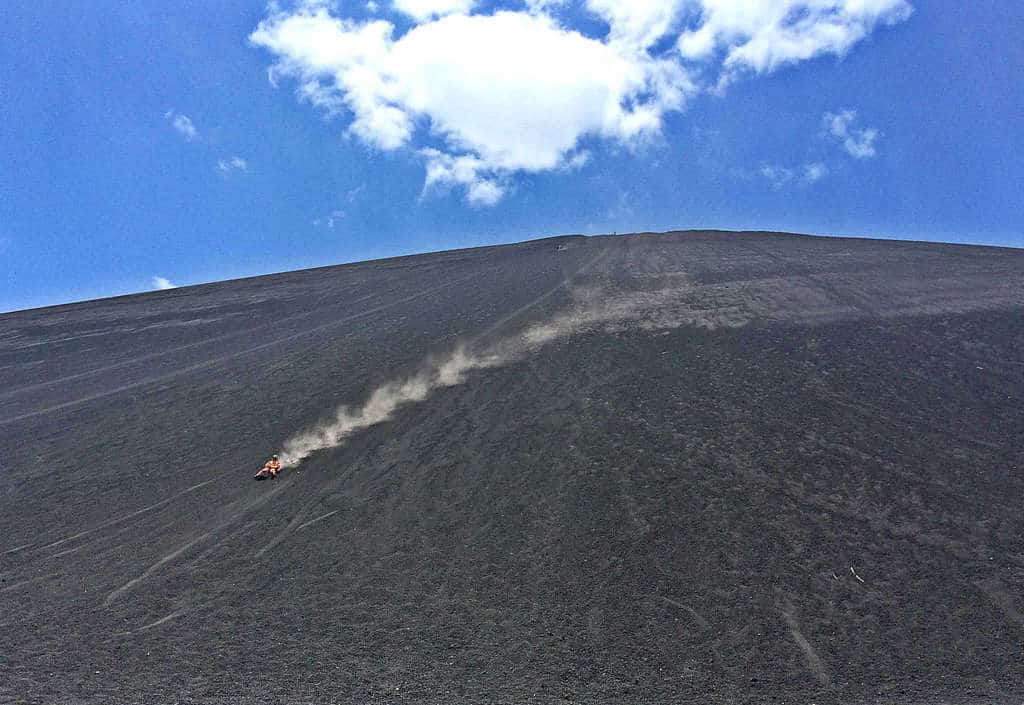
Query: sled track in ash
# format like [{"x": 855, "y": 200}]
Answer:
[
  {"x": 20, "y": 391},
  {"x": 180, "y": 550},
  {"x": 224, "y": 358},
  {"x": 126, "y": 517}
]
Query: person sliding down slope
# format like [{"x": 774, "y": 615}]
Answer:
[{"x": 271, "y": 469}]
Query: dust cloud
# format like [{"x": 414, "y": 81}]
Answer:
[
  {"x": 592, "y": 307},
  {"x": 437, "y": 373},
  {"x": 383, "y": 402}
]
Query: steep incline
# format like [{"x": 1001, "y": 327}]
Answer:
[{"x": 693, "y": 467}]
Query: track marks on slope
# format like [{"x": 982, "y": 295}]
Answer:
[
  {"x": 154, "y": 568},
  {"x": 294, "y": 525},
  {"x": 224, "y": 358},
  {"x": 1004, "y": 599},
  {"x": 701, "y": 622},
  {"x": 170, "y": 351},
  {"x": 319, "y": 518},
  {"x": 173, "y": 615},
  {"x": 714, "y": 637},
  {"x": 814, "y": 662},
  {"x": 125, "y": 517},
  {"x": 16, "y": 549},
  {"x": 544, "y": 296},
  {"x": 29, "y": 581}
]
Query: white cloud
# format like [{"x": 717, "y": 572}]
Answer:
[
  {"x": 183, "y": 124},
  {"x": 637, "y": 23},
  {"x": 422, "y": 10},
  {"x": 163, "y": 283},
  {"x": 782, "y": 176},
  {"x": 484, "y": 96},
  {"x": 444, "y": 170},
  {"x": 505, "y": 92},
  {"x": 763, "y": 35},
  {"x": 485, "y": 193},
  {"x": 779, "y": 176},
  {"x": 859, "y": 143},
  {"x": 226, "y": 166},
  {"x": 815, "y": 172}
]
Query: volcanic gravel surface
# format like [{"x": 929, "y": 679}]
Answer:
[{"x": 694, "y": 467}]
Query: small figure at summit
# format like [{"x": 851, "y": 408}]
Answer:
[{"x": 271, "y": 469}]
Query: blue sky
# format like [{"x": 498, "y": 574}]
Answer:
[{"x": 197, "y": 141}]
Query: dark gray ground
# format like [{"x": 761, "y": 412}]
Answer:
[{"x": 751, "y": 468}]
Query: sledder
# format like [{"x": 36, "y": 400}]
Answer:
[{"x": 270, "y": 470}]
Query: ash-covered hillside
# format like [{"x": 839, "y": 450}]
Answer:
[{"x": 696, "y": 467}]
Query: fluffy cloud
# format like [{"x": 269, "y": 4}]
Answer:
[
  {"x": 163, "y": 283},
  {"x": 859, "y": 143},
  {"x": 421, "y": 10},
  {"x": 637, "y": 23},
  {"x": 762, "y": 35},
  {"x": 183, "y": 124},
  {"x": 444, "y": 169},
  {"x": 483, "y": 96},
  {"x": 515, "y": 89}
]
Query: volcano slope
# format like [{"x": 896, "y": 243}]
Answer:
[{"x": 685, "y": 468}]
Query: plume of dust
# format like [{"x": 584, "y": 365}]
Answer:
[
  {"x": 383, "y": 402},
  {"x": 593, "y": 306},
  {"x": 450, "y": 371}
]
